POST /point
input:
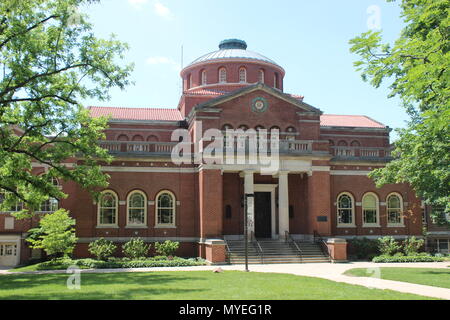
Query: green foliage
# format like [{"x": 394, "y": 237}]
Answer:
[
  {"x": 415, "y": 258},
  {"x": 418, "y": 66},
  {"x": 50, "y": 62},
  {"x": 411, "y": 246},
  {"x": 55, "y": 235},
  {"x": 135, "y": 248},
  {"x": 364, "y": 248},
  {"x": 64, "y": 263},
  {"x": 167, "y": 248},
  {"x": 102, "y": 248},
  {"x": 388, "y": 246}
]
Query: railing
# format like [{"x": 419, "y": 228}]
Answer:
[
  {"x": 290, "y": 240},
  {"x": 257, "y": 246},
  {"x": 228, "y": 252},
  {"x": 361, "y": 152},
  {"x": 317, "y": 238},
  {"x": 165, "y": 148}
]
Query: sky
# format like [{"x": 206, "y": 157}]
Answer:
[{"x": 309, "y": 39}]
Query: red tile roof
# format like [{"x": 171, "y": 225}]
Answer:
[
  {"x": 334, "y": 120},
  {"x": 121, "y": 113}
]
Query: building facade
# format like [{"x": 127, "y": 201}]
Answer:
[{"x": 320, "y": 185}]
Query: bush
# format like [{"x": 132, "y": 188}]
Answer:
[
  {"x": 388, "y": 246},
  {"x": 135, "y": 248},
  {"x": 411, "y": 246},
  {"x": 364, "y": 248},
  {"x": 102, "y": 248},
  {"x": 401, "y": 258},
  {"x": 167, "y": 248}
]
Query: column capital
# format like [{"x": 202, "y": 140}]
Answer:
[
  {"x": 281, "y": 173},
  {"x": 246, "y": 172}
]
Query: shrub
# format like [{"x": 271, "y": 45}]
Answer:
[
  {"x": 411, "y": 246},
  {"x": 135, "y": 248},
  {"x": 388, "y": 246},
  {"x": 398, "y": 258},
  {"x": 364, "y": 248},
  {"x": 167, "y": 248},
  {"x": 102, "y": 248}
]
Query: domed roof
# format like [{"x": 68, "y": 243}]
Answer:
[{"x": 233, "y": 49}]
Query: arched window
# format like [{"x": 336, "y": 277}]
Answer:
[
  {"x": 275, "y": 80},
  {"x": 122, "y": 137},
  {"x": 261, "y": 75},
  {"x": 188, "y": 81},
  {"x": 136, "y": 209},
  {"x": 107, "y": 208},
  {"x": 228, "y": 212},
  {"x": 242, "y": 75},
  {"x": 370, "y": 210},
  {"x": 203, "y": 77},
  {"x": 355, "y": 143},
  {"x": 222, "y": 75},
  {"x": 14, "y": 208},
  {"x": 345, "y": 210},
  {"x": 394, "y": 205},
  {"x": 165, "y": 209},
  {"x": 342, "y": 143}
]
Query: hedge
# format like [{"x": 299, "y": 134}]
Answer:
[{"x": 415, "y": 258}]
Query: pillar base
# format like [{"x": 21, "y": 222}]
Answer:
[
  {"x": 214, "y": 251},
  {"x": 337, "y": 248}
]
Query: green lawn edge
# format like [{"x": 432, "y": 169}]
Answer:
[{"x": 435, "y": 277}]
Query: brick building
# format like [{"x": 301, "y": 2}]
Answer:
[{"x": 320, "y": 187}]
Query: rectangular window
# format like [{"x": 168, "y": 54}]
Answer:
[
  {"x": 107, "y": 216},
  {"x": 394, "y": 216},
  {"x": 370, "y": 216},
  {"x": 345, "y": 216}
]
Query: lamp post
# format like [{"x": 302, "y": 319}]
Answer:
[{"x": 247, "y": 195}]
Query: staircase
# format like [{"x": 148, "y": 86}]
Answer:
[{"x": 275, "y": 251}]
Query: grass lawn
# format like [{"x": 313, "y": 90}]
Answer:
[
  {"x": 427, "y": 276},
  {"x": 174, "y": 285}
]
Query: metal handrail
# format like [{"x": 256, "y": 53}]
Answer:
[
  {"x": 319, "y": 239},
  {"x": 290, "y": 239},
  {"x": 228, "y": 251},
  {"x": 257, "y": 246}
]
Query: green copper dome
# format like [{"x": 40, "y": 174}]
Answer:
[{"x": 232, "y": 49}]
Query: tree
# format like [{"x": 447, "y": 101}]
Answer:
[
  {"x": 50, "y": 60},
  {"x": 55, "y": 235},
  {"x": 417, "y": 67}
]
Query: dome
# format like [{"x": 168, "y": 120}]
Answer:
[{"x": 232, "y": 49}]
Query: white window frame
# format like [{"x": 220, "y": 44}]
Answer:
[
  {"x": 204, "y": 78},
  {"x": 50, "y": 200},
  {"x": 129, "y": 207},
  {"x": 377, "y": 208},
  {"x": 261, "y": 76},
  {"x": 242, "y": 75},
  {"x": 345, "y": 225},
  {"x": 402, "y": 223},
  {"x": 222, "y": 75},
  {"x": 174, "y": 208},
  {"x": 116, "y": 207}
]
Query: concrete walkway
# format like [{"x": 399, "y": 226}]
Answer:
[{"x": 330, "y": 271}]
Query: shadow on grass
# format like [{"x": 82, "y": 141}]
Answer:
[{"x": 116, "y": 286}]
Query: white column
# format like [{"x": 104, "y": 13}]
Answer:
[
  {"x": 283, "y": 204},
  {"x": 249, "y": 189}
]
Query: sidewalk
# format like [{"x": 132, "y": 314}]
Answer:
[{"x": 330, "y": 271}]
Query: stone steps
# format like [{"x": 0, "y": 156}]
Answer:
[{"x": 275, "y": 251}]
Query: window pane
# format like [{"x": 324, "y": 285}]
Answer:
[
  {"x": 108, "y": 200},
  {"x": 345, "y": 216},
  {"x": 136, "y": 216},
  {"x": 394, "y": 216},
  {"x": 137, "y": 201},
  {"x": 394, "y": 202},
  {"x": 345, "y": 202},
  {"x": 370, "y": 216},
  {"x": 165, "y": 216},
  {"x": 369, "y": 201},
  {"x": 165, "y": 201},
  {"x": 107, "y": 216}
]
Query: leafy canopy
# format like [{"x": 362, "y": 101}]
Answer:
[
  {"x": 50, "y": 60},
  {"x": 417, "y": 67}
]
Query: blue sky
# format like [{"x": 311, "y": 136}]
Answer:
[{"x": 309, "y": 39}]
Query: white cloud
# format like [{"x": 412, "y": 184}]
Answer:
[
  {"x": 162, "y": 11},
  {"x": 159, "y": 60}
]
